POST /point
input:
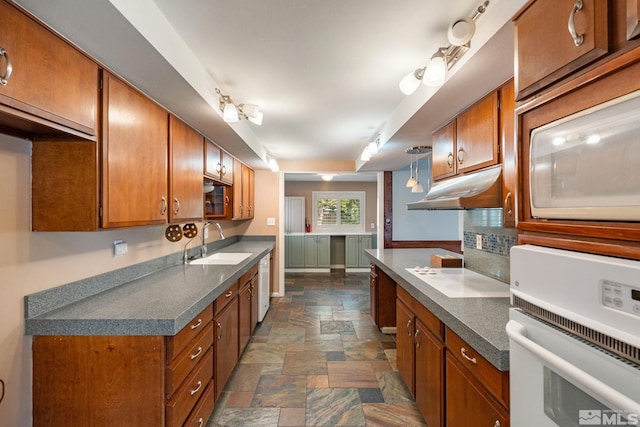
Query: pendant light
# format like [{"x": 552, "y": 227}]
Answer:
[
  {"x": 411, "y": 181},
  {"x": 418, "y": 187}
]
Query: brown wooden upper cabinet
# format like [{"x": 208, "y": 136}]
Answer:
[
  {"x": 508, "y": 147},
  {"x": 134, "y": 156},
  {"x": 52, "y": 87},
  {"x": 185, "y": 172},
  {"x": 555, "y": 38},
  {"x": 469, "y": 142},
  {"x": 218, "y": 164},
  {"x": 243, "y": 191}
]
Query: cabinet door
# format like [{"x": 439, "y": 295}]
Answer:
[
  {"x": 134, "y": 157},
  {"x": 225, "y": 344},
  {"x": 254, "y": 302},
  {"x": 185, "y": 172},
  {"x": 310, "y": 251},
  {"x": 468, "y": 404},
  {"x": 373, "y": 294},
  {"x": 509, "y": 158},
  {"x": 351, "y": 248},
  {"x": 404, "y": 346},
  {"x": 226, "y": 167},
  {"x": 324, "y": 252},
  {"x": 50, "y": 79},
  {"x": 217, "y": 203},
  {"x": 244, "y": 317},
  {"x": 248, "y": 197},
  {"x": 212, "y": 160},
  {"x": 294, "y": 214},
  {"x": 429, "y": 375},
  {"x": 295, "y": 251},
  {"x": 545, "y": 48},
  {"x": 477, "y": 135},
  {"x": 238, "y": 207},
  {"x": 365, "y": 243},
  {"x": 444, "y": 148}
]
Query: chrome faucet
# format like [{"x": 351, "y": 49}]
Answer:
[{"x": 203, "y": 248}]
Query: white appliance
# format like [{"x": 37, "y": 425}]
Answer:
[
  {"x": 263, "y": 286},
  {"x": 574, "y": 336},
  {"x": 584, "y": 166}
]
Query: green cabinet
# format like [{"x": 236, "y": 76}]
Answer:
[
  {"x": 317, "y": 252},
  {"x": 354, "y": 250},
  {"x": 294, "y": 251}
]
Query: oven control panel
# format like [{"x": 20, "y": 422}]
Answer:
[{"x": 621, "y": 297}]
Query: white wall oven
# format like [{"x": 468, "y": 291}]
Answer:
[{"x": 574, "y": 334}]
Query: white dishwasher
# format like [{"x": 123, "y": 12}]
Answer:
[{"x": 263, "y": 286}]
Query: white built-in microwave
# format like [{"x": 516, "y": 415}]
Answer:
[{"x": 587, "y": 166}]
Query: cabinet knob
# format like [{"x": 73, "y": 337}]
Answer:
[
  {"x": 176, "y": 206},
  {"x": 473, "y": 360},
  {"x": 163, "y": 205},
  {"x": 450, "y": 160},
  {"x": 577, "y": 38},
  {"x": 4, "y": 79}
]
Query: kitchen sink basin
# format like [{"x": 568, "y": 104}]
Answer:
[
  {"x": 461, "y": 283},
  {"x": 222, "y": 258}
]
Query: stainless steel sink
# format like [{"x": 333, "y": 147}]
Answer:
[{"x": 222, "y": 258}]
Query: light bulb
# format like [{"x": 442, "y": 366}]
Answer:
[
  {"x": 230, "y": 113},
  {"x": 436, "y": 71},
  {"x": 411, "y": 81},
  {"x": 257, "y": 119},
  {"x": 417, "y": 188}
]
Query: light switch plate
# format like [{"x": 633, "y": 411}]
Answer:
[{"x": 271, "y": 221}]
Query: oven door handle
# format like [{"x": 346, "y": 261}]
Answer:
[{"x": 518, "y": 333}]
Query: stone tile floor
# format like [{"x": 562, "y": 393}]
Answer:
[{"x": 317, "y": 359}]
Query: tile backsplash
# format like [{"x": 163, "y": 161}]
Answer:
[{"x": 493, "y": 259}]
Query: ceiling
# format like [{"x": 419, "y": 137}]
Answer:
[{"x": 324, "y": 72}]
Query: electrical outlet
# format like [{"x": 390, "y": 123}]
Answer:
[
  {"x": 120, "y": 248},
  {"x": 373, "y": 225},
  {"x": 479, "y": 241}
]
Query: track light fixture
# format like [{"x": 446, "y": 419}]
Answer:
[
  {"x": 434, "y": 73},
  {"x": 371, "y": 148},
  {"x": 232, "y": 112}
]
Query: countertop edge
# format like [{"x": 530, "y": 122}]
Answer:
[{"x": 497, "y": 356}]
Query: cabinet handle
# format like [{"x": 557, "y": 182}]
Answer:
[
  {"x": 408, "y": 324},
  {"x": 415, "y": 338},
  {"x": 195, "y": 390},
  {"x": 460, "y": 156},
  {"x": 240, "y": 211},
  {"x": 176, "y": 206},
  {"x": 577, "y": 38},
  {"x": 496, "y": 424},
  {"x": 195, "y": 325},
  {"x": 197, "y": 353},
  {"x": 508, "y": 206},
  {"x": 223, "y": 170},
  {"x": 450, "y": 160},
  {"x": 163, "y": 209},
  {"x": 226, "y": 200},
  {"x": 201, "y": 422},
  {"x": 218, "y": 167},
  {"x": 473, "y": 360},
  {"x": 228, "y": 294},
  {"x": 4, "y": 79},
  {"x": 219, "y": 331}
]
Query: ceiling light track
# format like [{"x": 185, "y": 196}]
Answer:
[
  {"x": 232, "y": 112},
  {"x": 434, "y": 73}
]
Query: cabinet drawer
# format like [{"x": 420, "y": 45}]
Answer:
[
  {"x": 246, "y": 277},
  {"x": 496, "y": 381},
  {"x": 179, "y": 341},
  {"x": 184, "y": 363},
  {"x": 184, "y": 400},
  {"x": 225, "y": 298},
  {"x": 421, "y": 312},
  {"x": 203, "y": 409}
]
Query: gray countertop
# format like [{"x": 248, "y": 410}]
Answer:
[
  {"x": 478, "y": 321},
  {"x": 160, "y": 303}
]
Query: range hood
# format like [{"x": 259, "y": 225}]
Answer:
[{"x": 481, "y": 189}]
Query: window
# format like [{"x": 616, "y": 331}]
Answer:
[{"x": 339, "y": 211}]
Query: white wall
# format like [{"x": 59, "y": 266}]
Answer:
[{"x": 421, "y": 224}]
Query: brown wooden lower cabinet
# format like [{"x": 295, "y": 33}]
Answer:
[
  {"x": 420, "y": 356},
  {"x": 383, "y": 297},
  {"x": 123, "y": 380},
  {"x": 225, "y": 343}
]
